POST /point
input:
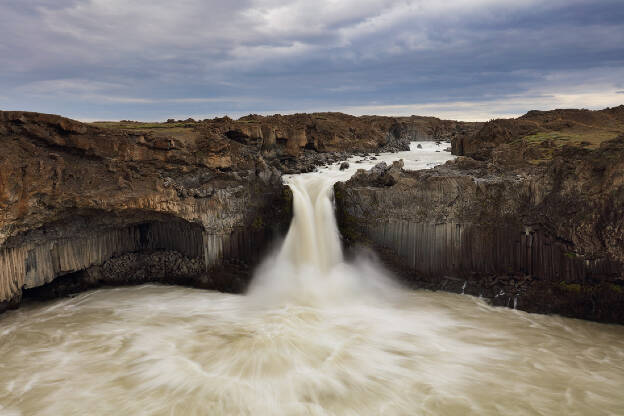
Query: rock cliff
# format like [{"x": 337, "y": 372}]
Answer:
[
  {"x": 74, "y": 196},
  {"x": 536, "y": 223},
  {"x": 192, "y": 202},
  {"x": 337, "y": 132},
  {"x": 534, "y": 136}
]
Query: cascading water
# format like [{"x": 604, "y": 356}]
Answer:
[
  {"x": 315, "y": 335},
  {"x": 312, "y": 240}
]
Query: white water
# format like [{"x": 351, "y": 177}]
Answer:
[
  {"x": 315, "y": 335},
  {"x": 429, "y": 155}
]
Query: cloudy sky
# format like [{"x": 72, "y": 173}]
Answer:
[{"x": 461, "y": 59}]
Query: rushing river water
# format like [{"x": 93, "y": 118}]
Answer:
[{"x": 315, "y": 335}]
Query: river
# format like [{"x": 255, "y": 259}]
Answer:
[{"x": 314, "y": 335}]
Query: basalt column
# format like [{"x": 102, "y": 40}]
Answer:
[{"x": 450, "y": 229}]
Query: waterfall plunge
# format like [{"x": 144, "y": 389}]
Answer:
[
  {"x": 312, "y": 240},
  {"x": 309, "y": 267}
]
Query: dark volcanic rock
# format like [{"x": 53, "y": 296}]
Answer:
[
  {"x": 546, "y": 238},
  {"x": 533, "y": 136},
  {"x": 74, "y": 196},
  {"x": 336, "y": 132},
  {"x": 92, "y": 203}
]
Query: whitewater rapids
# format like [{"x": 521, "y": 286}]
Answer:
[{"x": 314, "y": 335}]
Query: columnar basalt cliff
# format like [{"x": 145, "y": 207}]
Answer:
[
  {"x": 74, "y": 196},
  {"x": 537, "y": 223},
  {"x": 531, "y": 214},
  {"x": 191, "y": 202}
]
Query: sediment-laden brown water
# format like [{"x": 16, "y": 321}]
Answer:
[
  {"x": 315, "y": 335},
  {"x": 156, "y": 350}
]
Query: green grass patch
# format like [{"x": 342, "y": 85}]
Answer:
[
  {"x": 591, "y": 138},
  {"x": 539, "y": 138},
  {"x": 541, "y": 146},
  {"x": 136, "y": 125}
]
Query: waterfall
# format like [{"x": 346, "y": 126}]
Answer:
[
  {"x": 313, "y": 239},
  {"x": 309, "y": 267}
]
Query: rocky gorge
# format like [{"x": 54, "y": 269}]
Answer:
[
  {"x": 529, "y": 215},
  {"x": 185, "y": 202}
]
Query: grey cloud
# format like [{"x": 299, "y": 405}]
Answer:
[{"x": 111, "y": 58}]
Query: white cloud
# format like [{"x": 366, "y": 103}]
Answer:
[
  {"x": 484, "y": 110},
  {"x": 111, "y": 92},
  {"x": 101, "y": 30},
  {"x": 68, "y": 86}
]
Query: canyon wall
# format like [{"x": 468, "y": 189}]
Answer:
[
  {"x": 187, "y": 202},
  {"x": 337, "y": 132},
  {"x": 530, "y": 216},
  {"x": 537, "y": 227},
  {"x": 75, "y": 197}
]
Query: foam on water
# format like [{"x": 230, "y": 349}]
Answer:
[
  {"x": 315, "y": 335},
  {"x": 428, "y": 155}
]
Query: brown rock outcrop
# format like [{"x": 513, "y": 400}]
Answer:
[
  {"x": 125, "y": 202},
  {"x": 337, "y": 132},
  {"x": 75, "y": 196},
  {"x": 533, "y": 136},
  {"x": 536, "y": 227}
]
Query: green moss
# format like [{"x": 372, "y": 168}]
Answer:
[
  {"x": 349, "y": 229},
  {"x": 287, "y": 197},
  {"x": 601, "y": 289},
  {"x": 616, "y": 288},
  {"x": 337, "y": 194},
  {"x": 588, "y": 138},
  {"x": 257, "y": 224},
  {"x": 349, "y": 225},
  {"x": 136, "y": 125},
  {"x": 571, "y": 287},
  {"x": 570, "y": 255},
  {"x": 539, "y": 138}
]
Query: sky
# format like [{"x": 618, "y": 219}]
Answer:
[{"x": 458, "y": 59}]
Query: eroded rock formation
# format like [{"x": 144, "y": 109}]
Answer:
[
  {"x": 337, "y": 132},
  {"x": 193, "y": 202},
  {"x": 538, "y": 223},
  {"x": 531, "y": 216},
  {"x": 74, "y": 196},
  {"x": 534, "y": 136}
]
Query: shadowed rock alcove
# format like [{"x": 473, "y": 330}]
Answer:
[{"x": 94, "y": 248}]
